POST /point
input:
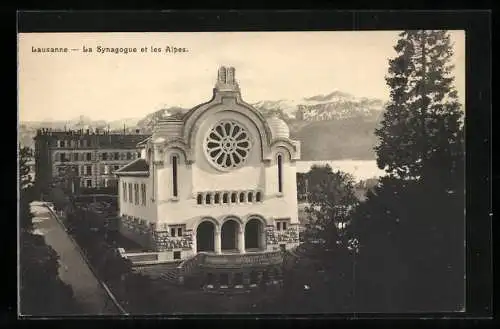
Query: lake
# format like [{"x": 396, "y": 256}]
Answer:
[{"x": 360, "y": 169}]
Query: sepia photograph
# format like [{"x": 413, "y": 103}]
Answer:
[{"x": 313, "y": 172}]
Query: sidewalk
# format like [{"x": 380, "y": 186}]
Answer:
[{"x": 73, "y": 268}]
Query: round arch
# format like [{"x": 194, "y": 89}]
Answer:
[
  {"x": 205, "y": 236},
  {"x": 254, "y": 232},
  {"x": 233, "y": 217},
  {"x": 191, "y": 127},
  {"x": 206, "y": 219},
  {"x": 264, "y": 221},
  {"x": 230, "y": 229}
]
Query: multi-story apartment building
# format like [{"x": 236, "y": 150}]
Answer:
[{"x": 87, "y": 158}]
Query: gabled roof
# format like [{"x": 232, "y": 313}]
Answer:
[
  {"x": 144, "y": 141},
  {"x": 138, "y": 167}
]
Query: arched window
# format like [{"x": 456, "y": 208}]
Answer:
[
  {"x": 233, "y": 197},
  {"x": 280, "y": 173},
  {"x": 217, "y": 198},
  {"x": 199, "y": 199},
  {"x": 250, "y": 197},
  {"x": 242, "y": 197},
  {"x": 258, "y": 197},
  {"x": 207, "y": 199},
  {"x": 224, "y": 198},
  {"x": 174, "y": 175}
]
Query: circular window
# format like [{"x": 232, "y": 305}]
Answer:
[{"x": 228, "y": 145}]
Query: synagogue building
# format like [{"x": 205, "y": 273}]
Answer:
[{"x": 219, "y": 180}]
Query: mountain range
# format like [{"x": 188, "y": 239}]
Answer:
[{"x": 333, "y": 126}]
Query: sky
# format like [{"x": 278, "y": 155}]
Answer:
[{"x": 269, "y": 66}]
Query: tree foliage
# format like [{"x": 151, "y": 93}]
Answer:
[
  {"x": 24, "y": 156},
  {"x": 321, "y": 279},
  {"x": 411, "y": 227},
  {"x": 421, "y": 134},
  {"x": 331, "y": 197}
]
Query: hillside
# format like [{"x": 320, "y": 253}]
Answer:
[{"x": 336, "y": 139}]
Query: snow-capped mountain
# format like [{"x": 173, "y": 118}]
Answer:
[{"x": 335, "y": 105}]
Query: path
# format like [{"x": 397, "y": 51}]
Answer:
[{"x": 73, "y": 268}]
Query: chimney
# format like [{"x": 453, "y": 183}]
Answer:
[{"x": 226, "y": 80}]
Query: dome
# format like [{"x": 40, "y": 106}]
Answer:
[
  {"x": 159, "y": 140},
  {"x": 279, "y": 128},
  {"x": 168, "y": 129}
]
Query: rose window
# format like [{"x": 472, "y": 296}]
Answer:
[{"x": 228, "y": 145}]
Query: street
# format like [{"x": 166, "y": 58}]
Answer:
[{"x": 73, "y": 269}]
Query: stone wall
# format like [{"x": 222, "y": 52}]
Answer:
[
  {"x": 289, "y": 237},
  {"x": 162, "y": 241}
]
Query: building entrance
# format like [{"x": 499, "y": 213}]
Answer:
[
  {"x": 229, "y": 235},
  {"x": 253, "y": 232},
  {"x": 205, "y": 237}
]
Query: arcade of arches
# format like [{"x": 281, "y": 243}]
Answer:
[{"x": 232, "y": 236}]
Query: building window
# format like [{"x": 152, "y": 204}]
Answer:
[
  {"x": 63, "y": 157},
  {"x": 224, "y": 198},
  {"x": 280, "y": 174},
  {"x": 89, "y": 156},
  {"x": 138, "y": 155},
  {"x": 124, "y": 191},
  {"x": 238, "y": 279},
  {"x": 129, "y": 155},
  {"x": 207, "y": 199},
  {"x": 88, "y": 170},
  {"x": 250, "y": 196},
  {"x": 172, "y": 232},
  {"x": 130, "y": 196},
  {"x": 179, "y": 231},
  {"x": 177, "y": 255},
  {"x": 233, "y": 197},
  {"x": 199, "y": 199},
  {"x": 228, "y": 145},
  {"x": 143, "y": 194},
  {"x": 117, "y": 155},
  {"x": 89, "y": 183},
  {"x": 258, "y": 197},
  {"x": 174, "y": 175},
  {"x": 281, "y": 225},
  {"x": 116, "y": 167},
  {"x": 217, "y": 198},
  {"x": 136, "y": 194},
  {"x": 104, "y": 156},
  {"x": 242, "y": 197}
]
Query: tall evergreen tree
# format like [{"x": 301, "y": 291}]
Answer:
[
  {"x": 412, "y": 223},
  {"x": 421, "y": 136}
]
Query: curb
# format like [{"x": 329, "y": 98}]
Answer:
[{"x": 94, "y": 272}]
